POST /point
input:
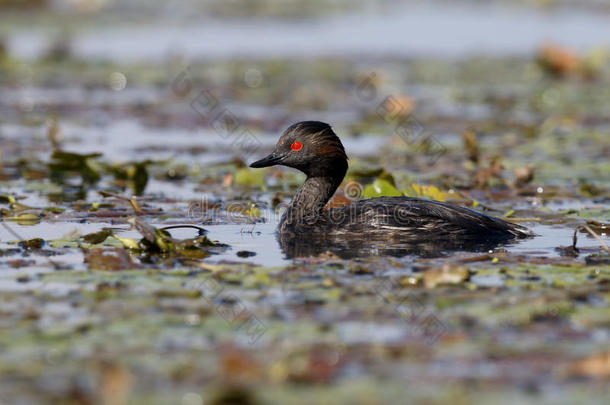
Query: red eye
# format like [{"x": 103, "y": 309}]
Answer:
[{"x": 297, "y": 145}]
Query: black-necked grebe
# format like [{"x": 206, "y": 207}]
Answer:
[{"x": 313, "y": 148}]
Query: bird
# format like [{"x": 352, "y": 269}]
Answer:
[{"x": 383, "y": 225}]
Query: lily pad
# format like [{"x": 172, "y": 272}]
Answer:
[{"x": 380, "y": 188}]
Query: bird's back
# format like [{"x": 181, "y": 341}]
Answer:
[{"x": 417, "y": 218}]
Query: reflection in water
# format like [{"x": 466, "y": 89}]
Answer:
[
  {"x": 358, "y": 245},
  {"x": 271, "y": 250}
]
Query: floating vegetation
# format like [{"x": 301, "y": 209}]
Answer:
[{"x": 138, "y": 261}]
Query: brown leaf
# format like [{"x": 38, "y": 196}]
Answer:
[
  {"x": 54, "y": 133},
  {"x": 116, "y": 385},
  {"x": 111, "y": 259},
  {"x": 557, "y": 60},
  {"x": 397, "y": 107},
  {"x": 448, "y": 274},
  {"x": 484, "y": 175},
  {"x": 524, "y": 175},
  {"x": 596, "y": 366},
  {"x": 33, "y": 244},
  {"x": 16, "y": 263},
  {"x": 227, "y": 181},
  {"x": 339, "y": 200},
  {"x": 237, "y": 364},
  {"x": 471, "y": 143}
]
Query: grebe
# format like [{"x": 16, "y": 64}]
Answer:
[{"x": 306, "y": 227}]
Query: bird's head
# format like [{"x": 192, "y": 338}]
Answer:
[{"x": 311, "y": 147}]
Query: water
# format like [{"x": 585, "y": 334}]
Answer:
[
  {"x": 401, "y": 30},
  {"x": 124, "y": 140},
  {"x": 258, "y": 238}
]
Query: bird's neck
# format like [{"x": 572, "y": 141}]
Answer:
[
  {"x": 307, "y": 206},
  {"x": 309, "y": 201},
  {"x": 315, "y": 193}
]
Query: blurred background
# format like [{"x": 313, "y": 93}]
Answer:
[
  {"x": 113, "y": 107},
  {"x": 138, "y": 76}
]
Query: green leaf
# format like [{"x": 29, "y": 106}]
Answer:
[
  {"x": 139, "y": 175},
  {"x": 253, "y": 211},
  {"x": 25, "y": 218},
  {"x": 67, "y": 164},
  {"x": 427, "y": 191},
  {"x": 7, "y": 199},
  {"x": 164, "y": 241},
  {"x": 381, "y": 188},
  {"x": 247, "y": 177},
  {"x": 153, "y": 238},
  {"x": 97, "y": 237},
  {"x": 128, "y": 243}
]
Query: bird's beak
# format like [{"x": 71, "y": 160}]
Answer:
[{"x": 273, "y": 159}]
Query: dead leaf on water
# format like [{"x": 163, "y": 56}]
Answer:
[
  {"x": 111, "y": 259},
  {"x": 448, "y": 274},
  {"x": 116, "y": 384},
  {"x": 471, "y": 143},
  {"x": 35, "y": 243},
  {"x": 557, "y": 60},
  {"x": 524, "y": 175},
  {"x": 54, "y": 133},
  {"x": 595, "y": 366}
]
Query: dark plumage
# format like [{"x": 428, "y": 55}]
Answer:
[{"x": 367, "y": 225}]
